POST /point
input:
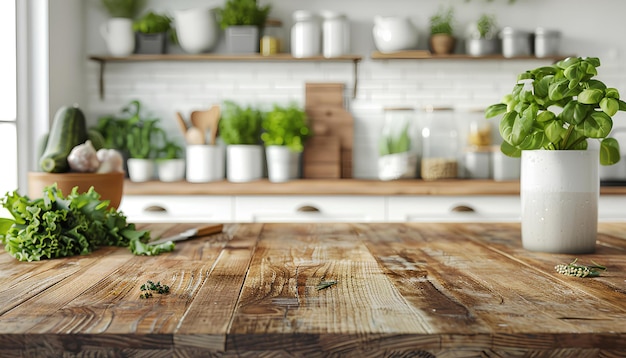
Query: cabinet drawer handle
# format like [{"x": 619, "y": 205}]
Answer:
[
  {"x": 155, "y": 209},
  {"x": 463, "y": 209},
  {"x": 308, "y": 209}
]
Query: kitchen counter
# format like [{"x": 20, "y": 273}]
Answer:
[
  {"x": 338, "y": 187},
  {"x": 419, "y": 289}
]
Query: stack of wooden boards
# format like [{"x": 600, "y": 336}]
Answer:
[{"x": 328, "y": 153}]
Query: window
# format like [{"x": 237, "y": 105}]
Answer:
[{"x": 8, "y": 99}]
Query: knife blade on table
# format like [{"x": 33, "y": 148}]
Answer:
[{"x": 188, "y": 234}]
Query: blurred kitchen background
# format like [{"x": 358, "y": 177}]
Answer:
[{"x": 55, "y": 39}]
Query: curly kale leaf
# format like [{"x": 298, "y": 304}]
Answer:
[{"x": 56, "y": 226}]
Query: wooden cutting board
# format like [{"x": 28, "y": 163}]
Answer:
[{"x": 332, "y": 125}]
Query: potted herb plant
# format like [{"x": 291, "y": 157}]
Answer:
[
  {"x": 118, "y": 30},
  {"x": 552, "y": 119},
  {"x": 152, "y": 31},
  {"x": 482, "y": 36},
  {"x": 170, "y": 162},
  {"x": 142, "y": 138},
  {"x": 240, "y": 130},
  {"x": 442, "y": 39},
  {"x": 242, "y": 21},
  {"x": 396, "y": 145},
  {"x": 285, "y": 130}
]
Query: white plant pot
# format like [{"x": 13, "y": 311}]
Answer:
[
  {"x": 140, "y": 170},
  {"x": 197, "y": 29},
  {"x": 397, "y": 166},
  {"x": 282, "y": 163},
  {"x": 244, "y": 163},
  {"x": 205, "y": 163},
  {"x": 119, "y": 36},
  {"x": 170, "y": 170},
  {"x": 559, "y": 194}
]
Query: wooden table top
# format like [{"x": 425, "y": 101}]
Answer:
[{"x": 415, "y": 289}]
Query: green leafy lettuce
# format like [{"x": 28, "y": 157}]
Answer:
[{"x": 56, "y": 226}]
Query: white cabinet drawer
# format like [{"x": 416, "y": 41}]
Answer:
[
  {"x": 177, "y": 208},
  {"x": 453, "y": 208},
  {"x": 309, "y": 208}
]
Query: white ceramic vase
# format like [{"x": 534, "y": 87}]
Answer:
[
  {"x": 170, "y": 170},
  {"x": 119, "y": 36},
  {"x": 559, "y": 193},
  {"x": 140, "y": 170},
  {"x": 244, "y": 163},
  {"x": 196, "y": 29},
  {"x": 393, "y": 33},
  {"x": 282, "y": 163}
]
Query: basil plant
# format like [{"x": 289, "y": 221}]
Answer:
[{"x": 559, "y": 107}]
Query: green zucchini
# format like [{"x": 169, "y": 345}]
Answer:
[{"x": 68, "y": 130}]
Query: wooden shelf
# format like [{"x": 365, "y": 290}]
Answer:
[
  {"x": 283, "y": 57},
  {"x": 427, "y": 55}
]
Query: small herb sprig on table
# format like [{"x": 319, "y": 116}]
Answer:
[
  {"x": 325, "y": 284},
  {"x": 574, "y": 269},
  {"x": 152, "y": 287}
]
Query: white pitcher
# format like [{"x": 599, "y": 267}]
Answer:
[
  {"x": 196, "y": 29},
  {"x": 119, "y": 36},
  {"x": 394, "y": 33}
]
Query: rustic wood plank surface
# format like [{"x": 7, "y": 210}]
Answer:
[{"x": 402, "y": 290}]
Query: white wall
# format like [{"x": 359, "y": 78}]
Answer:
[{"x": 590, "y": 28}]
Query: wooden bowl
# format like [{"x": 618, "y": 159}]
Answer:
[{"x": 109, "y": 185}]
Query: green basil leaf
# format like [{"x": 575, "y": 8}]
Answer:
[
  {"x": 557, "y": 90},
  {"x": 554, "y": 131},
  {"x": 506, "y": 125},
  {"x": 590, "y": 96},
  {"x": 510, "y": 150},
  {"x": 622, "y": 105},
  {"x": 597, "y": 125},
  {"x": 542, "y": 86},
  {"x": 581, "y": 111},
  {"x": 495, "y": 109},
  {"x": 594, "y": 61},
  {"x": 565, "y": 63},
  {"x": 609, "y": 106},
  {"x": 523, "y": 125},
  {"x": 596, "y": 84},
  {"x": 545, "y": 116},
  {"x": 611, "y": 93},
  {"x": 609, "y": 151},
  {"x": 567, "y": 115}
]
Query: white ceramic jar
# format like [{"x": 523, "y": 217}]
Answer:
[
  {"x": 336, "y": 34},
  {"x": 393, "y": 33},
  {"x": 546, "y": 42},
  {"x": 306, "y": 35}
]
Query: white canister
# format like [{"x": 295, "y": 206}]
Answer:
[
  {"x": 335, "y": 34},
  {"x": 478, "y": 162},
  {"x": 546, "y": 42},
  {"x": 306, "y": 35},
  {"x": 205, "y": 163},
  {"x": 515, "y": 42}
]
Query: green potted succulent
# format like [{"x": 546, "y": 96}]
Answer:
[
  {"x": 152, "y": 31},
  {"x": 170, "y": 162},
  {"x": 242, "y": 21},
  {"x": 482, "y": 36},
  {"x": 442, "y": 39},
  {"x": 240, "y": 130},
  {"x": 553, "y": 116},
  {"x": 285, "y": 130}
]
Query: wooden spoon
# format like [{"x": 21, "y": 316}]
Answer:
[
  {"x": 181, "y": 123},
  {"x": 213, "y": 118},
  {"x": 194, "y": 136}
]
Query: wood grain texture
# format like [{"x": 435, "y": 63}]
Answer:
[
  {"x": 402, "y": 290},
  {"x": 339, "y": 187}
]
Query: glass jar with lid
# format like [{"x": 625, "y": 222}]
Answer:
[
  {"x": 273, "y": 38},
  {"x": 398, "y": 146},
  {"x": 440, "y": 143}
]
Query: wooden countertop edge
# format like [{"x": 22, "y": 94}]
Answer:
[{"x": 337, "y": 187}]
